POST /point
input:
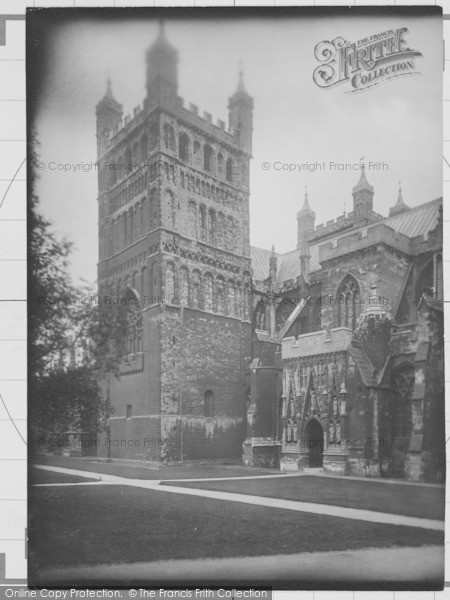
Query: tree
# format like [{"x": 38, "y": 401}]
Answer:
[{"x": 65, "y": 318}]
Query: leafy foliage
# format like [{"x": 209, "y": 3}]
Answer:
[
  {"x": 65, "y": 320},
  {"x": 65, "y": 400}
]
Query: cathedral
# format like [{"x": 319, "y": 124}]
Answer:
[{"x": 329, "y": 356}]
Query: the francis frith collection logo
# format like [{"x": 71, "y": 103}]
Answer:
[{"x": 365, "y": 63}]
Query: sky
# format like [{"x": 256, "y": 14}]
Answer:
[{"x": 398, "y": 123}]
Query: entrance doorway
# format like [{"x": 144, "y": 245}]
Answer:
[{"x": 314, "y": 440}]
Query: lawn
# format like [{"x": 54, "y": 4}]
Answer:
[
  {"x": 412, "y": 501},
  {"x": 109, "y": 524},
  {"x": 42, "y": 476},
  {"x": 146, "y": 472}
]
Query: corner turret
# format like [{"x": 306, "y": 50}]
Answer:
[
  {"x": 109, "y": 114},
  {"x": 240, "y": 115},
  {"x": 363, "y": 197},
  {"x": 162, "y": 71},
  {"x": 400, "y": 205}
]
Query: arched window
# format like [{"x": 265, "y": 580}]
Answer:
[
  {"x": 220, "y": 234},
  {"x": 231, "y": 298},
  {"x": 203, "y": 223},
  {"x": 170, "y": 283},
  {"x": 212, "y": 226},
  {"x": 220, "y": 164},
  {"x": 192, "y": 219},
  {"x": 230, "y": 170},
  {"x": 195, "y": 294},
  {"x": 111, "y": 175},
  {"x": 132, "y": 225},
  {"x": 402, "y": 383},
  {"x": 153, "y": 136},
  {"x": 171, "y": 208},
  {"x": 230, "y": 233},
  {"x": 169, "y": 137},
  {"x": 183, "y": 146},
  {"x": 152, "y": 208},
  {"x": 221, "y": 302},
  {"x": 144, "y": 283},
  {"x": 209, "y": 404},
  {"x": 207, "y": 157},
  {"x": 121, "y": 170},
  {"x": 115, "y": 236},
  {"x": 144, "y": 146},
  {"x": 196, "y": 147},
  {"x": 141, "y": 217},
  {"x": 134, "y": 323},
  {"x": 208, "y": 291},
  {"x": 348, "y": 303},
  {"x": 136, "y": 154},
  {"x": 128, "y": 162},
  {"x": 184, "y": 286},
  {"x": 125, "y": 229}
]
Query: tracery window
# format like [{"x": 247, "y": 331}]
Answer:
[
  {"x": 348, "y": 303},
  {"x": 196, "y": 278},
  {"x": 169, "y": 137},
  {"x": 229, "y": 170},
  {"x": 134, "y": 323},
  {"x": 207, "y": 158},
  {"x": 221, "y": 296},
  {"x": 183, "y": 146},
  {"x": 192, "y": 219},
  {"x": 184, "y": 286}
]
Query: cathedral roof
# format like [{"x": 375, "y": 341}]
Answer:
[{"x": 417, "y": 221}]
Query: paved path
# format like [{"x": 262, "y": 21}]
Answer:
[
  {"x": 85, "y": 474},
  {"x": 308, "y": 507},
  {"x": 424, "y": 564}
]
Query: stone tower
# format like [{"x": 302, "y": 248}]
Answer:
[{"x": 174, "y": 238}]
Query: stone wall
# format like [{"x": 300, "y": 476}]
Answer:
[
  {"x": 378, "y": 265},
  {"x": 203, "y": 359}
]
